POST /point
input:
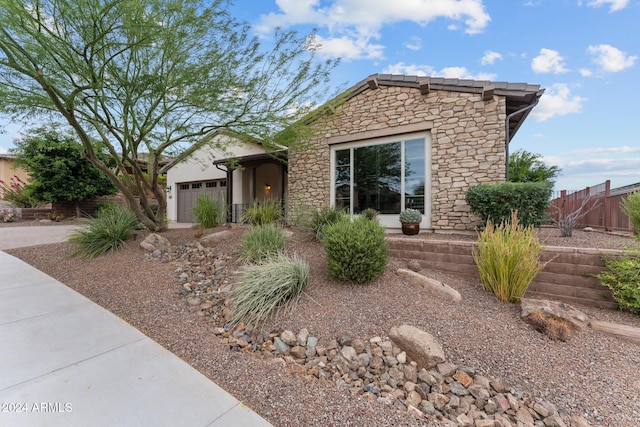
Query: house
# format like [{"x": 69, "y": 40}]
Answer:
[
  {"x": 399, "y": 142},
  {"x": 8, "y": 169},
  {"x": 234, "y": 169},
  {"x": 392, "y": 142}
]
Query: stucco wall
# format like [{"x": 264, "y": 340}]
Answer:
[
  {"x": 467, "y": 146},
  {"x": 8, "y": 170}
]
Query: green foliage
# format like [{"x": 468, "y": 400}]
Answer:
[
  {"x": 262, "y": 242},
  {"x": 507, "y": 257},
  {"x": 324, "y": 218},
  {"x": 268, "y": 287},
  {"x": 267, "y": 212},
  {"x": 495, "y": 202},
  {"x": 57, "y": 168},
  {"x": 18, "y": 193},
  {"x": 103, "y": 208},
  {"x": 208, "y": 211},
  {"x": 356, "y": 250},
  {"x": 370, "y": 214},
  {"x": 106, "y": 232},
  {"x": 630, "y": 205},
  {"x": 623, "y": 278},
  {"x": 147, "y": 75},
  {"x": 410, "y": 216},
  {"x": 527, "y": 167}
]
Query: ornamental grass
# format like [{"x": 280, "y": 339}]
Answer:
[
  {"x": 508, "y": 259},
  {"x": 268, "y": 288}
]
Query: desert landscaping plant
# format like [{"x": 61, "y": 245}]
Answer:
[
  {"x": 324, "y": 218},
  {"x": 268, "y": 287},
  {"x": 623, "y": 279},
  {"x": 356, "y": 250},
  {"x": 630, "y": 205},
  {"x": 262, "y": 242},
  {"x": 106, "y": 232},
  {"x": 566, "y": 222},
  {"x": 208, "y": 211},
  {"x": 370, "y": 214},
  {"x": 18, "y": 193},
  {"x": 508, "y": 259},
  {"x": 267, "y": 212}
]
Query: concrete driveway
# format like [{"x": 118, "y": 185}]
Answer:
[{"x": 18, "y": 237}]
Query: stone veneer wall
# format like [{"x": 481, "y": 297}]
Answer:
[{"x": 467, "y": 137}]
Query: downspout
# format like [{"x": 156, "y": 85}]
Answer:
[
  {"x": 506, "y": 131},
  {"x": 229, "y": 204}
]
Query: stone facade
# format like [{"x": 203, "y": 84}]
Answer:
[{"x": 467, "y": 145}]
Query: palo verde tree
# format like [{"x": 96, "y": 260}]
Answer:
[
  {"x": 146, "y": 78},
  {"x": 527, "y": 167},
  {"x": 57, "y": 169}
]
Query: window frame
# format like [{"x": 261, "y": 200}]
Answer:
[{"x": 387, "y": 220}]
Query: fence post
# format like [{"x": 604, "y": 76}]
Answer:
[{"x": 607, "y": 205}]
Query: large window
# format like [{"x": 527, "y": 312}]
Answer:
[{"x": 386, "y": 176}]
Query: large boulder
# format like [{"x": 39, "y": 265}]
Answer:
[
  {"x": 154, "y": 242},
  {"x": 419, "y": 345},
  {"x": 218, "y": 236}
]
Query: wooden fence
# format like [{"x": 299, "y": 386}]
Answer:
[{"x": 607, "y": 214}]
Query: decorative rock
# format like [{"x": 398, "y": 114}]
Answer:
[
  {"x": 155, "y": 242},
  {"x": 302, "y": 337},
  {"x": 288, "y": 338},
  {"x": 480, "y": 393},
  {"x": 559, "y": 309},
  {"x": 554, "y": 421},
  {"x": 446, "y": 369},
  {"x": 432, "y": 286},
  {"x": 464, "y": 421},
  {"x": 297, "y": 352},
  {"x": 414, "y": 265},
  {"x": 344, "y": 339},
  {"x": 458, "y": 389},
  {"x": 463, "y": 378},
  {"x": 312, "y": 341},
  {"x": 402, "y": 357},
  {"x": 281, "y": 347},
  {"x": 524, "y": 416},
  {"x": 500, "y": 386},
  {"x": 579, "y": 421},
  {"x": 485, "y": 423},
  {"x": 210, "y": 239},
  {"x": 413, "y": 399},
  {"x": 349, "y": 353},
  {"x": 625, "y": 332},
  {"x": 412, "y": 410},
  {"x": 419, "y": 345}
]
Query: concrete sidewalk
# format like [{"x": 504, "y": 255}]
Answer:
[
  {"x": 17, "y": 237},
  {"x": 65, "y": 361}
]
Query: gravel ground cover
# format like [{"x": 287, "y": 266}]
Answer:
[{"x": 592, "y": 374}]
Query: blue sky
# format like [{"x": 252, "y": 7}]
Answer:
[{"x": 585, "y": 53}]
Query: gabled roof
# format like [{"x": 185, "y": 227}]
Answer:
[{"x": 520, "y": 97}]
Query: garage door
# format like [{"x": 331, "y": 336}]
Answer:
[{"x": 188, "y": 192}]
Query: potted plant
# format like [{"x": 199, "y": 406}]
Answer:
[{"x": 410, "y": 219}]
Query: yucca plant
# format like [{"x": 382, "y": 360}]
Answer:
[
  {"x": 507, "y": 257},
  {"x": 261, "y": 242},
  {"x": 269, "y": 287},
  {"x": 106, "y": 232},
  {"x": 208, "y": 211},
  {"x": 267, "y": 212}
]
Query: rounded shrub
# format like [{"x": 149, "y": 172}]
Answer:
[{"x": 356, "y": 250}]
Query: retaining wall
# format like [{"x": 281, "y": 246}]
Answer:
[{"x": 566, "y": 277}]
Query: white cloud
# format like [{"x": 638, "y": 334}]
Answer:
[
  {"x": 490, "y": 57},
  {"x": 557, "y": 101},
  {"x": 348, "y": 48},
  {"x": 414, "y": 43},
  {"x": 428, "y": 70},
  {"x": 585, "y": 72},
  {"x": 361, "y": 21},
  {"x": 611, "y": 59},
  {"x": 615, "y": 5},
  {"x": 548, "y": 61},
  {"x": 3, "y": 150},
  {"x": 625, "y": 149}
]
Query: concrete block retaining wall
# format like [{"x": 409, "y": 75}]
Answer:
[{"x": 566, "y": 278}]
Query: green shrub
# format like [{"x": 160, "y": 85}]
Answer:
[
  {"x": 324, "y": 218},
  {"x": 264, "y": 288},
  {"x": 103, "y": 207},
  {"x": 507, "y": 257},
  {"x": 623, "y": 278},
  {"x": 356, "y": 250},
  {"x": 630, "y": 205},
  {"x": 495, "y": 202},
  {"x": 267, "y": 212},
  {"x": 106, "y": 232},
  {"x": 370, "y": 214},
  {"x": 208, "y": 211},
  {"x": 262, "y": 242}
]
